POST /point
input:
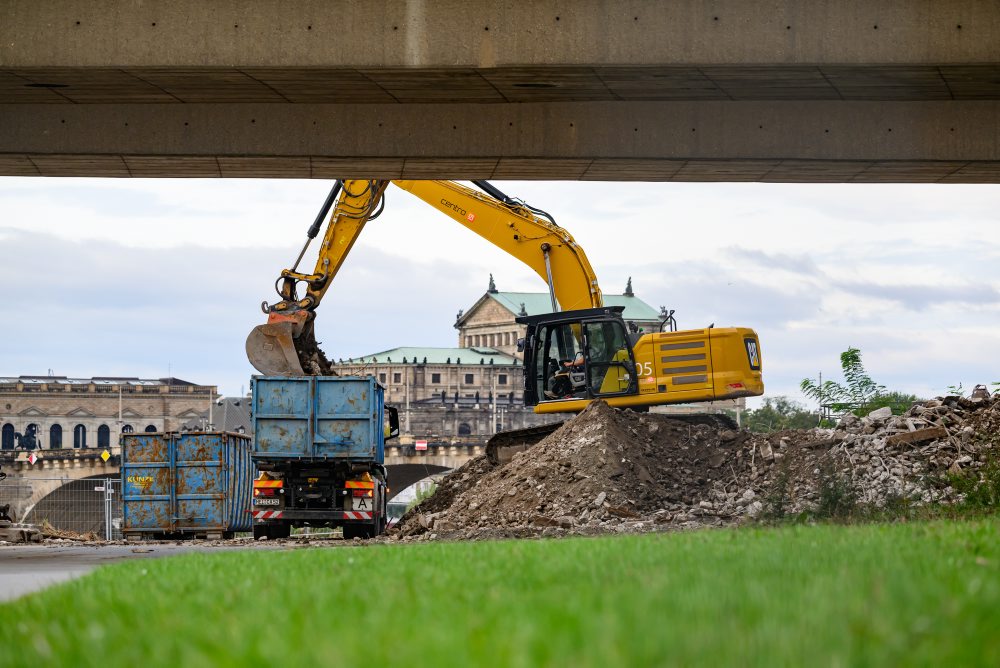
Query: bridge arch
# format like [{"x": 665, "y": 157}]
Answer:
[
  {"x": 402, "y": 476},
  {"x": 72, "y": 506}
]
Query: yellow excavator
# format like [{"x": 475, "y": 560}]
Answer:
[{"x": 579, "y": 352}]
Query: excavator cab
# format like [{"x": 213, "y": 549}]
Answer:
[{"x": 575, "y": 356}]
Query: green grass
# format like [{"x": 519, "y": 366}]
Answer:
[{"x": 904, "y": 594}]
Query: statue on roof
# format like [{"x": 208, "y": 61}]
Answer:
[
  {"x": 493, "y": 286},
  {"x": 628, "y": 288},
  {"x": 458, "y": 317},
  {"x": 523, "y": 310}
]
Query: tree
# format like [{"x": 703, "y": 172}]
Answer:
[
  {"x": 858, "y": 393},
  {"x": 779, "y": 413}
]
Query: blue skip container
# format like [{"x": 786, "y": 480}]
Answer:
[{"x": 195, "y": 484}]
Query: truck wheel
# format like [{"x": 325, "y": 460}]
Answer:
[
  {"x": 281, "y": 530},
  {"x": 260, "y": 531}
]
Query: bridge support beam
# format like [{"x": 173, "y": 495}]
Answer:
[{"x": 943, "y": 141}]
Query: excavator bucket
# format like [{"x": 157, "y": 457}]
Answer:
[{"x": 271, "y": 348}]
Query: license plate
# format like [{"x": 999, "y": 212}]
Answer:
[
  {"x": 361, "y": 503},
  {"x": 267, "y": 502}
]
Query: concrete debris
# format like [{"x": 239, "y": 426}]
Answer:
[
  {"x": 917, "y": 436},
  {"x": 612, "y": 471},
  {"x": 880, "y": 413},
  {"x": 11, "y": 532}
]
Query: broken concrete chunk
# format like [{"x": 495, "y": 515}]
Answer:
[
  {"x": 918, "y": 436},
  {"x": 847, "y": 420},
  {"x": 621, "y": 512},
  {"x": 599, "y": 501},
  {"x": 766, "y": 451}
]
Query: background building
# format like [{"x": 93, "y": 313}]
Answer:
[
  {"x": 52, "y": 412},
  {"x": 490, "y": 321},
  {"x": 472, "y": 391}
]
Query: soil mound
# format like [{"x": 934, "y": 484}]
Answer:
[{"x": 608, "y": 470}]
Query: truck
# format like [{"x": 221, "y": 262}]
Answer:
[{"x": 319, "y": 449}]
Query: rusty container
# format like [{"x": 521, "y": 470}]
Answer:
[
  {"x": 325, "y": 418},
  {"x": 196, "y": 483}
]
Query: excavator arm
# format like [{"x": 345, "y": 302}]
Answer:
[
  {"x": 286, "y": 344},
  {"x": 526, "y": 233}
]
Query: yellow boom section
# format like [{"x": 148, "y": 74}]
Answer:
[
  {"x": 286, "y": 344},
  {"x": 522, "y": 234},
  {"x": 356, "y": 204}
]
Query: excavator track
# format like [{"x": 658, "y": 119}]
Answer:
[
  {"x": 502, "y": 447},
  {"x": 716, "y": 420}
]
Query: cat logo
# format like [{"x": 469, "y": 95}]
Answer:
[{"x": 753, "y": 353}]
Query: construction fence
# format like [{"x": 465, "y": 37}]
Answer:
[{"x": 87, "y": 506}]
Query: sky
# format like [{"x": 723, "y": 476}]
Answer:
[{"x": 157, "y": 277}]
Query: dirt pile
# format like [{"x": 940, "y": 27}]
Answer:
[{"x": 615, "y": 471}]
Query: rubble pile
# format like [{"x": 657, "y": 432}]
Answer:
[{"x": 608, "y": 470}]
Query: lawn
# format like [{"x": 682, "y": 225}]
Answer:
[{"x": 903, "y": 594}]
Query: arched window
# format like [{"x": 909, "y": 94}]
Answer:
[
  {"x": 464, "y": 430},
  {"x": 79, "y": 436},
  {"x": 7, "y": 436},
  {"x": 55, "y": 436},
  {"x": 104, "y": 436},
  {"x": 150, "y": 428},
  {"x": 127, "y": 429}
]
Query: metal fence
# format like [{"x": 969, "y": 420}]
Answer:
[{"x": 87, "y": 506}]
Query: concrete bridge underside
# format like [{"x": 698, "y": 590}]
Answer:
[{"x": 728, "y": 90}]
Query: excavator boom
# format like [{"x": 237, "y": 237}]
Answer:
[{"x": 286, "y": 344}]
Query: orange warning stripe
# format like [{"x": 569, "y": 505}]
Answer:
[
  {"x": 267, "y": 483},
  {"x": 359, "y": 484}
]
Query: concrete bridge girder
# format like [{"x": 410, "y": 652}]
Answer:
[
  {"x": 732, "y": 90},
  {"x": 682, "y": 141},
  {"x": 489, "y": 34}
]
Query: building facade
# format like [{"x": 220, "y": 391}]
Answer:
[
  {"x": 446, "y": 393},
  {"x": 53, "y": 412},
  {"x": 476, "y": 389},
  {"x": 490, "y": 322}
]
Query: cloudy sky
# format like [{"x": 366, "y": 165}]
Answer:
[{"x": 138, "y": 277}]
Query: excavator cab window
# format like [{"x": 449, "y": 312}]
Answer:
[
  {"x": 610, "y": 367},
  {"x": 560, "y": 362},
  {"x": 576, "y": 360}
]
